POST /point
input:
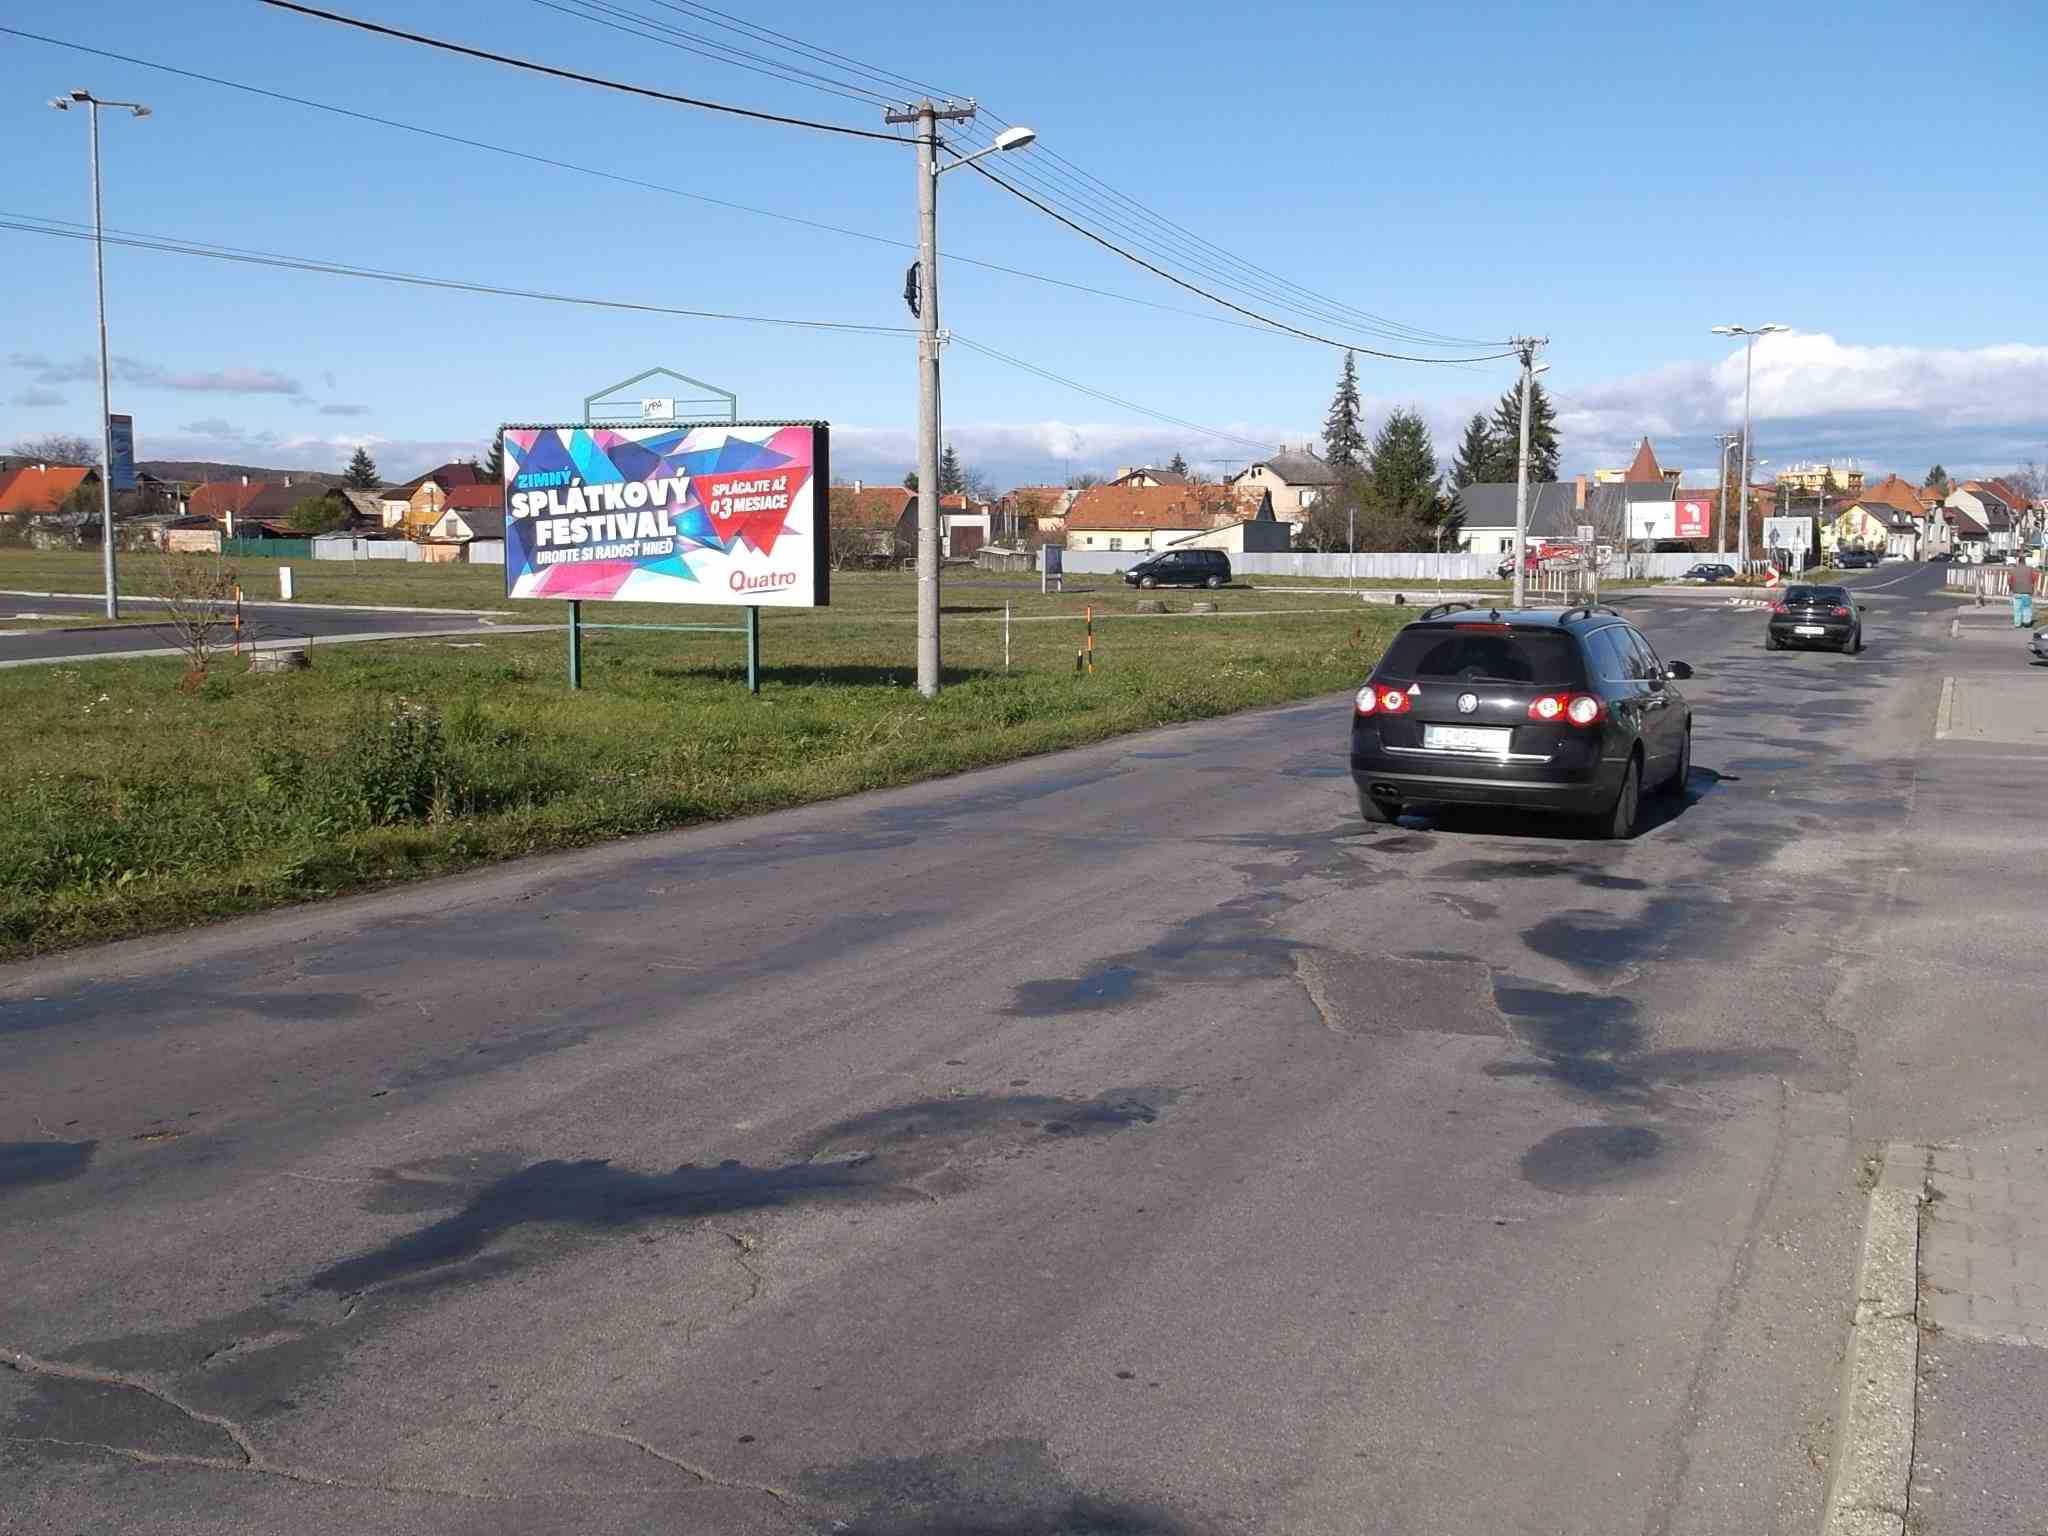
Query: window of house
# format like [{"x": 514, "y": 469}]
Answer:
[{"x": 1116, "y": 543}]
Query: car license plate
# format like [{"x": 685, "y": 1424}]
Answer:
[
  {"x": 1465, "y": 738},
  {"x": 1808, "y": 629}
]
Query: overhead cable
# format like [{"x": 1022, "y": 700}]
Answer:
[{"x": 578, "y": 77}]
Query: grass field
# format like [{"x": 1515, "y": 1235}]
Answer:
[{"x": 130, "y": 804}]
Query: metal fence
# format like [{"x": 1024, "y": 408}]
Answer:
[
  {"x": 267, "y": 549},
  {"x": 365, "y": 549},
  {"x": 1377, "y": 566},
  {"x": 1986, "y": 580}
]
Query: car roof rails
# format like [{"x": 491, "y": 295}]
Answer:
[
  {"x": 1588, "y": 609},
  {"x": 1441, "y": 609}
]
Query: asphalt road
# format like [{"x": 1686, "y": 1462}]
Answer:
[
  {"x": 261, "y": 624},
  {"x": 1126, "y": 1141}
]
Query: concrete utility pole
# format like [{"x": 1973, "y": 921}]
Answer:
[
  {"x": 1749, "y": 335},
  {"x": 1527, "y": 346},
  {"x": 927, "y": 115},
  {"x": 92, "y": 104},
  {"x": 1727, "y": 442}
]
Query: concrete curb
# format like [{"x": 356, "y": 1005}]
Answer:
[
  {"x": 1871, "y": 1468},
  {"x": 1945, "y": 713}
]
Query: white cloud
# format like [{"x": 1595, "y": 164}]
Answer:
[
  {"x": 344, "y": 410},
  {"x": 139, "y": 374}
]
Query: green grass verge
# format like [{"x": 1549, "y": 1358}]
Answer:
[{"x": 130, "y": 805}]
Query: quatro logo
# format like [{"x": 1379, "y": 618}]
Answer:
[{"x": 1467, "y": 702}]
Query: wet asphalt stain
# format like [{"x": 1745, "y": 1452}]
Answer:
[
  {"x": 1773, "y": 764},
  {"x": 1741, "y": 852},
  {"x": 991, "y": 1488},
  {"x": 42, "y": 1162},
  {"x": 1159, "y": 756},
  {"x": 1605, "y": 882},
  {"x": 74, "y": 1419},
  {"x": 1316, "y": 771},
  {"x": 491, "y": 1056},
  {"x": 1485, "y": 870},
  {"x": 1399, "y": 842},
  {"x": 1591, "y": 1043},
  {"x": 1594, "y": 941},
  {"x": 873, "y": 1157},
  {"x": 1230, "y": 944},
  {"x": 1588, "y": 1158}
]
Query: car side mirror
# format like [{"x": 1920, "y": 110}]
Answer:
[{"x": 1678, "y": 671}]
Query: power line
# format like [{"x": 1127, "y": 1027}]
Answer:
[
  {"x": 1079, "y": 229},
  {"x": 617, "y": 176},
  {"x": 1089, "y": 389},
  {"x": 70, "y": 230},
  {"x": 579, "y": 78}
]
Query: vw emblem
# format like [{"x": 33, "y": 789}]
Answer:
[{"x": 1467, "y": 702}]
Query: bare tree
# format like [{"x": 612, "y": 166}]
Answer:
[
  {"x": 57, "y": 448},
  {"x": 200, "y": 604}
]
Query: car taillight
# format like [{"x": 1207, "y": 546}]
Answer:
[
  {"x": 1368, "y": 700},
  {"x": 1393, "y": 702},
  {"x": 1571, "y": 708},
  {"x": 1838, "y": 613},
  {"x": 1779, "y": 608}
]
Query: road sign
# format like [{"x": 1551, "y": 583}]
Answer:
[
  {"x": 1788, "y": 533},
  {"x": 1587, "y": 533}
]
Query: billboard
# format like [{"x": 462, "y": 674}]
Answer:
[
  {"x": 730, "y": 514},
  {"x": 1692, "y": 517},
  {"x": 1788, "y": 533},
  {"x": 121, "y": 433},
  {"x": 1653, "y": 520}
]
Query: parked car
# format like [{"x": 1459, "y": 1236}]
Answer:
[
  {"x": 1560, "y": 710},
  {"x": 1708, "y": 570},
  {"x": 1940, "y": 557},
  {"x": 1994, "y": 557},
  {"x": 1181, "y": 568},
  {"x": 1823, "y": 616},
  {"x": 2039, "y": 645},
  {"x": 1856, "y": 559}
]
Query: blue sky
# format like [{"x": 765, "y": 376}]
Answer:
[{"x": 1618, "y": 177}]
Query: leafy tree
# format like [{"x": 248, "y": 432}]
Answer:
[
  {"x": 1401, "y": 470},
  {"x": 1507, "y": 430},
  {"x": 58, "y": 448},
  {"x": 1343, "y": 436},
  {"x": 319, "y": 514},
  {"x": 361, "y": 474},
  {"x": 1938, "y": 479},
  {"x": 1177, "y": 464},
  {"x": 910, "y": 481},
  {"x": 952, "y": 478},
  {"x": 494, "y": 461}
]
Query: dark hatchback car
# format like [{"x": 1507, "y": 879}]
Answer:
[
  {"x": 1181, "y": 568},
  {"x": 1823, "y": 616},
  {"x": 1859, "y": 559},
  {"x": 1708, "y": 570},
  {"x": 1545, "y": 709}
]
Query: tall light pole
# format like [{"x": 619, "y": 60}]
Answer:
[
  {"x": 1727, "y": 442},
  {"x": 927, "y": 115},
  {"x": 92, "y": 104},
  {"x": 1749, "y": 335},
  {"x": 1527, "y": 346}
]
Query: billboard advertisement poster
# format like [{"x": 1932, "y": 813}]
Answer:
[
  {"x": 730, "y": 514},
  {"x": 1653, "y": 520},
  {"x": 121, "y": 431},
  {"x": 1788, "y": 533},
  {"x": 1691, "y": 518}
]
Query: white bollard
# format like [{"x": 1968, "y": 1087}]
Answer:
[{"x": 284, "y": 582}]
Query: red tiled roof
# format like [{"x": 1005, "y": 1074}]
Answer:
[
  {"x": 1894, "y": 492},
  {"x": 476, "y": 498},
  {"x": 872, "y": 506},
  {"x": 215, "y": 498},
  {"x": 1141, "y": 508},
  {"x": 39, "y": 489},
  {"x": 1643, "y": 469},
  {"x": 447, "y": 476}
]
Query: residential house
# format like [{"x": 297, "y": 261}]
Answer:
[
  {"x": 1988, "y": 509},
  {"x": 1867, "y": 525},
  {"x": 1146, "y": 475},
  {"x": 1141, "y": 518},
  {"x": 414, "y": 507},
  {"x": 1261, "y": 533},
  {"x": 1034, "y": 514},
  {"x": 1487, "y": 514},
  {"x": 1296, "y": 480},
  {"x": 471, "y": 512},
  {"x": 35, "y": 490},
  {"x": 863, "y": 522},
  {"x": 235, "y": 503}
]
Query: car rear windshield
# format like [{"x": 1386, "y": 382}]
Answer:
[
  {"x": 1476, "y": 653},
  {"x": 1816, "y": 595}
]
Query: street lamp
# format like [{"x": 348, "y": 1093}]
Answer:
[
  {"x": 99, "y": 275},
  {"x": 927, "y": 115},
  {"x": 1527, "y": 346},
  {"x": 1749, "y": 335}
]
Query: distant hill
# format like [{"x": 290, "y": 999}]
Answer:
[{"x": 193, "y": 470}]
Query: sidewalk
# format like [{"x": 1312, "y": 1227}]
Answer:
[{"x": 1980, "y": 1462}]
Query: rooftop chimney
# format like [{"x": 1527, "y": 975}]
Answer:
[
  {"x": 856, "y": 487},
  {"x": 1579, "y": 492},
  {"x": 245, "y": 479}
]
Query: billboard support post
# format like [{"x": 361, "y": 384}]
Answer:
[
  {"x": 753, "y": 650},
  {"x": 575, "y": 645}
]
